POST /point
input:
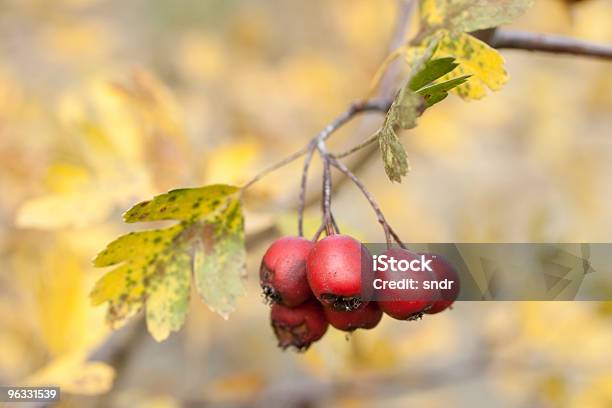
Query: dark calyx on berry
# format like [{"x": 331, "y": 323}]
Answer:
[
  {"x": 283, "y": 271},
  {"x": 367, "y": 317},
  {"x": 300, "y": 326},
  {"x": 334, "y": 271}
]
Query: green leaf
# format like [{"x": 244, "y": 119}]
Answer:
[
  {"x": 434, "y": 93},
  {"x": 393, "y": 154},
  {"x": 432, "y": 70},
  {"x": 475, "y": 58},
  {"x": 468, "y": 15},
  {"x": 435, "y": 98},
  {"x": 406, "y": 108},
  {"x": 403, "y": 113},
  {"x": 155, "y": 266}
]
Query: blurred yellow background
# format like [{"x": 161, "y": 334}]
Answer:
[{"x": 105, "y": 103}]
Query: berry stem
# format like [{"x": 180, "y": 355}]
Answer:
[
  {"x": 303, "y": 184},
  {"x": 333, "y": 219},
  {"x": 326, "y": 202},
  {"x": 390, "y": 234}
]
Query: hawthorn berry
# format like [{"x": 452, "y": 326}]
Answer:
[
  {"x": 403, "y": 304},
  {"x": 334, "y": 268},
  {"x": 366, "y": 317},
  {"x": 300, "y": 326},
  {"x": 443, "y": 270},
  {"x": 282, "y": 274}
]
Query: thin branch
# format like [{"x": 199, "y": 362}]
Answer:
[
  {"x": 389, "y": 79},
  {"x": 276, "y": 166},
  {"x": 557, "y": 44},
  {"x": 371, "y": 105},
  {"x": 389, "y": 232},
  {"x": 303, "y": 185},
  {"x": 326, "y": 202},
  {"x": 372, "y": 139},
  {"x": 318, "y": 233},
  {"x": 335, "y": 224}
]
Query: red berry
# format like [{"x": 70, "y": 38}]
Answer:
[
  {"x": 443, "y": 270},
  {"x": 405, "y": 304},
  {"x": 366, "y": 317},
  {"x": 334, "y": 271},
  {"x": 283, "y": 271},
  {"x": 299, "y": 326}
]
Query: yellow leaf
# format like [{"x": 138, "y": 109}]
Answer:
[
  {"x": 475, "y": 58},
  {"x": 168, "y": 301},
  {"x": 155, "y": 266},
  {"x": 469, "y": 15}
]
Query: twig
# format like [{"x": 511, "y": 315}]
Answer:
[
  {"x": 326, "y": 202},
  {"x": 371, "y": 105},
  {"x": 389, "y": 232},
  {"x": 303, "y": 185},
  {"x": 373, "y": 138},
  {"x": 318, "y": 233},
  {"x": 557, "y": 44},
  {"x": 333, "y": 219},
  {"x": 276, "y": 166}
]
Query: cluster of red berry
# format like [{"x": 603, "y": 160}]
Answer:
[{"x": 311, "y": 285}]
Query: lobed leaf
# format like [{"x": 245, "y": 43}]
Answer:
[
  {"x": 469, "y": 15},
  {"x": 403, "y": 113},
  {"x": 406, "y": 108},
  {"x": 184, "y": 204},
  {"x": 394, "y": 156},
  {"x": 142, "y": 245},
  {"x": 484, "y": 64},
  {"x": 154, "y": 267}
]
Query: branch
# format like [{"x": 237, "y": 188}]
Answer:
[
  {"x": 556, "y": 44},
  {"x": 358, "y": 147},
  {"x": 276, "y": 166},
  {"x": 370, "y": 105}
]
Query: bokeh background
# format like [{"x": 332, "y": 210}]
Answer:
[{"x": 104, "y": 103}]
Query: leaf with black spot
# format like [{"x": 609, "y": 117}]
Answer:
[
  {"x": 154, "y": 268},
  {"x": 435, "y": 93},
  {"x": 468, "y": 15}
]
